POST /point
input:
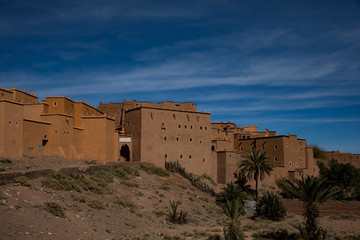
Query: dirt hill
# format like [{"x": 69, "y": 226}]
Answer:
[{"x": 63, "y": 199}]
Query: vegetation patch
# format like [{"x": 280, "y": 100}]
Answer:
[
  {"x": 23, "y": 181},
  {"x": 195, "y": 180},
  {"x": 126, "y": 172},
  {"x": 91, "y": 162},
  {"x": 78, "y": 198},
  {"x": 55, "y": 209},
  {"x": 6, "y": 161},
  {"x": 125, "y": 203},
  {"x": 270, "y": 206},
  {"x": 152, "y": 170},
  {"x": 176, "y": 216},
  {"x": 2, "y": 170},
  {"x": 77, "y": 182},
  {"x": 96, "y": 204},
  {"x": 2, "y": 195},
  {"x": 344, "y": 216}
]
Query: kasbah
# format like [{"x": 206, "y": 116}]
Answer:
[{"x": 146, "y": 132}]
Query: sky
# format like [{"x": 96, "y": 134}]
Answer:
[{"x": 288, "y": 66}]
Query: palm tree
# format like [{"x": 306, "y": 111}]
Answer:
[
  {"x": 232, "y": 229},
  {"x": 312, "y": 191},
  {"x": 255, "y": 166}
]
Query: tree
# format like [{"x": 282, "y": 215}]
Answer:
[
  {"x": 255, "y": 166},
  {"x": 312, "y": 191},
  {"x": 318, "y": 152},
  {"x": 232, "y": 228},
  {"x": 242, "y": 182}
]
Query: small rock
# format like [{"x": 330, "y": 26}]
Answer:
[{"x": 49, "y": 233}]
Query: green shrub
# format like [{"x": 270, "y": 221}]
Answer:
[
  {"x": 278, "y": 234},
  {"x": 175, "y": 216},
  {"x": 125, "y": 203},
  {"x": 23, "y": 181},
  {"x": 196, "y": 181},
  {"x": 90, "y": 162},
  {"x": 6, "y": 161},
  {"x": 2, "y": 195},
  {"x": 96, "y": 204},
  {"x": 77, "y": 182},
  {"x": 270, "y": 206},
  {"x": 232, "y": 228},
  {"x": 2, "y": 170},
  {"x": 80, "y": 199},
  {"x": 281, "y": 183},
  {"x": 152, "y": 170},
  {"x": 55, "y": 209},
  {"x": 126, "y": 172}
]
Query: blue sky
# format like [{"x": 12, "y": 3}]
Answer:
[{"x": 289, "y": 66}]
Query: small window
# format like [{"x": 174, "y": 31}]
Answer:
[
  {"x": 177, "y": 139},
  {"x": 292, "y": 145},
  {"x": 302, "y": 149},
  {"x": 275, "y": 159},
  {"x": 263, "y": 147},
  {"x": 179, "y": 126},
  {"x": 276, "y": 146},
  {"x": 290, "y": 164},
  {"x": 296, "y": 164},
  {"x": 200, "y": 141},
  {"x": 212, "y": 148},
  {"x": 54, "y": 103},
  {"x": 200, "y": 127},
  {"x": 241, "y": 149},
  {"x": 165, "y": 155},
  {"x": 190, "y": 139},
  {"x": 180, "y": 156},
  {"x": 287, "y": 145},
  {"x": 300, "y": 159},
  {"x": 185, "y": 126},
  {"x": 205, "y": 128},
  {"x": 203, "y": 159},
  {"x": 165, "y": 138},
  {"x": 190, "y": 156},
  {"x": 190, "y": 127}
]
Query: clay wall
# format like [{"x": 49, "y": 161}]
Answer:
[
  {"x": 227, "y": 163},
  {"x": 168, "y": 135},
  {"x": 82, "y": 109},
  {"x": 34, "y": 111},
  {"x": 35, "y": 137},
  {"x": 24, "y": 97},
  {"x": 79, "y": 142},
  {"x": 12, "y": 125},
  {"x": 60, "y": 105},
  {"x": 6, "y": 94},
  {"x": 133, "y": 128},
  {"x": 294, "y": 153},
  {"x": 98, "y": 141}
]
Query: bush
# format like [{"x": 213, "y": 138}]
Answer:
[
  {"x": 23, "y": 181},
  {"x": 279, "y": 234},
  {"x": 152, "y": 170},
  {"x": 78, "y": 182},
  {"x": 175, "y": 216},
  {"x": 270, "y": 206},
  {"x": 6, "y": 161},
  {"x": 55, "y": 209},
  {"x": 126, "y": 172},
  {"x": 196, "y": 181},
  {"x": 96, "y": 204},
  {"x": 2, "y": 170},
  {"x": 2, "y": 195},
  {"x": 281, "y": 183}
]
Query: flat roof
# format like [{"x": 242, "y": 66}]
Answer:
[{"x": 163, "y": 109}]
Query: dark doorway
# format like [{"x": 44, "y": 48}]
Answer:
[{"x": 125, "y": 153}]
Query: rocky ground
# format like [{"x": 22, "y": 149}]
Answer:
[{"x": 134, "y": 207}]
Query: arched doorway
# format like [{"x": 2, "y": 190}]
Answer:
[{"x": 125, "y": 153}]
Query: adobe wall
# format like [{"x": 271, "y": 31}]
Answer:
[
  {"x": 35, "y": 137},
  {"x": 24, "y": 97},
  {"x": 168, "y": 135},
  {"x": 12, "y": 126},
  {"x": 133, "y": 129},
  {"x": 98, "y": 141},
  {"x": 227, "y": 163},
  {"x": 6, "y": 94}
]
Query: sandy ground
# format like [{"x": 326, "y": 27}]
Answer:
[{"x": 22, "y": 213}]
